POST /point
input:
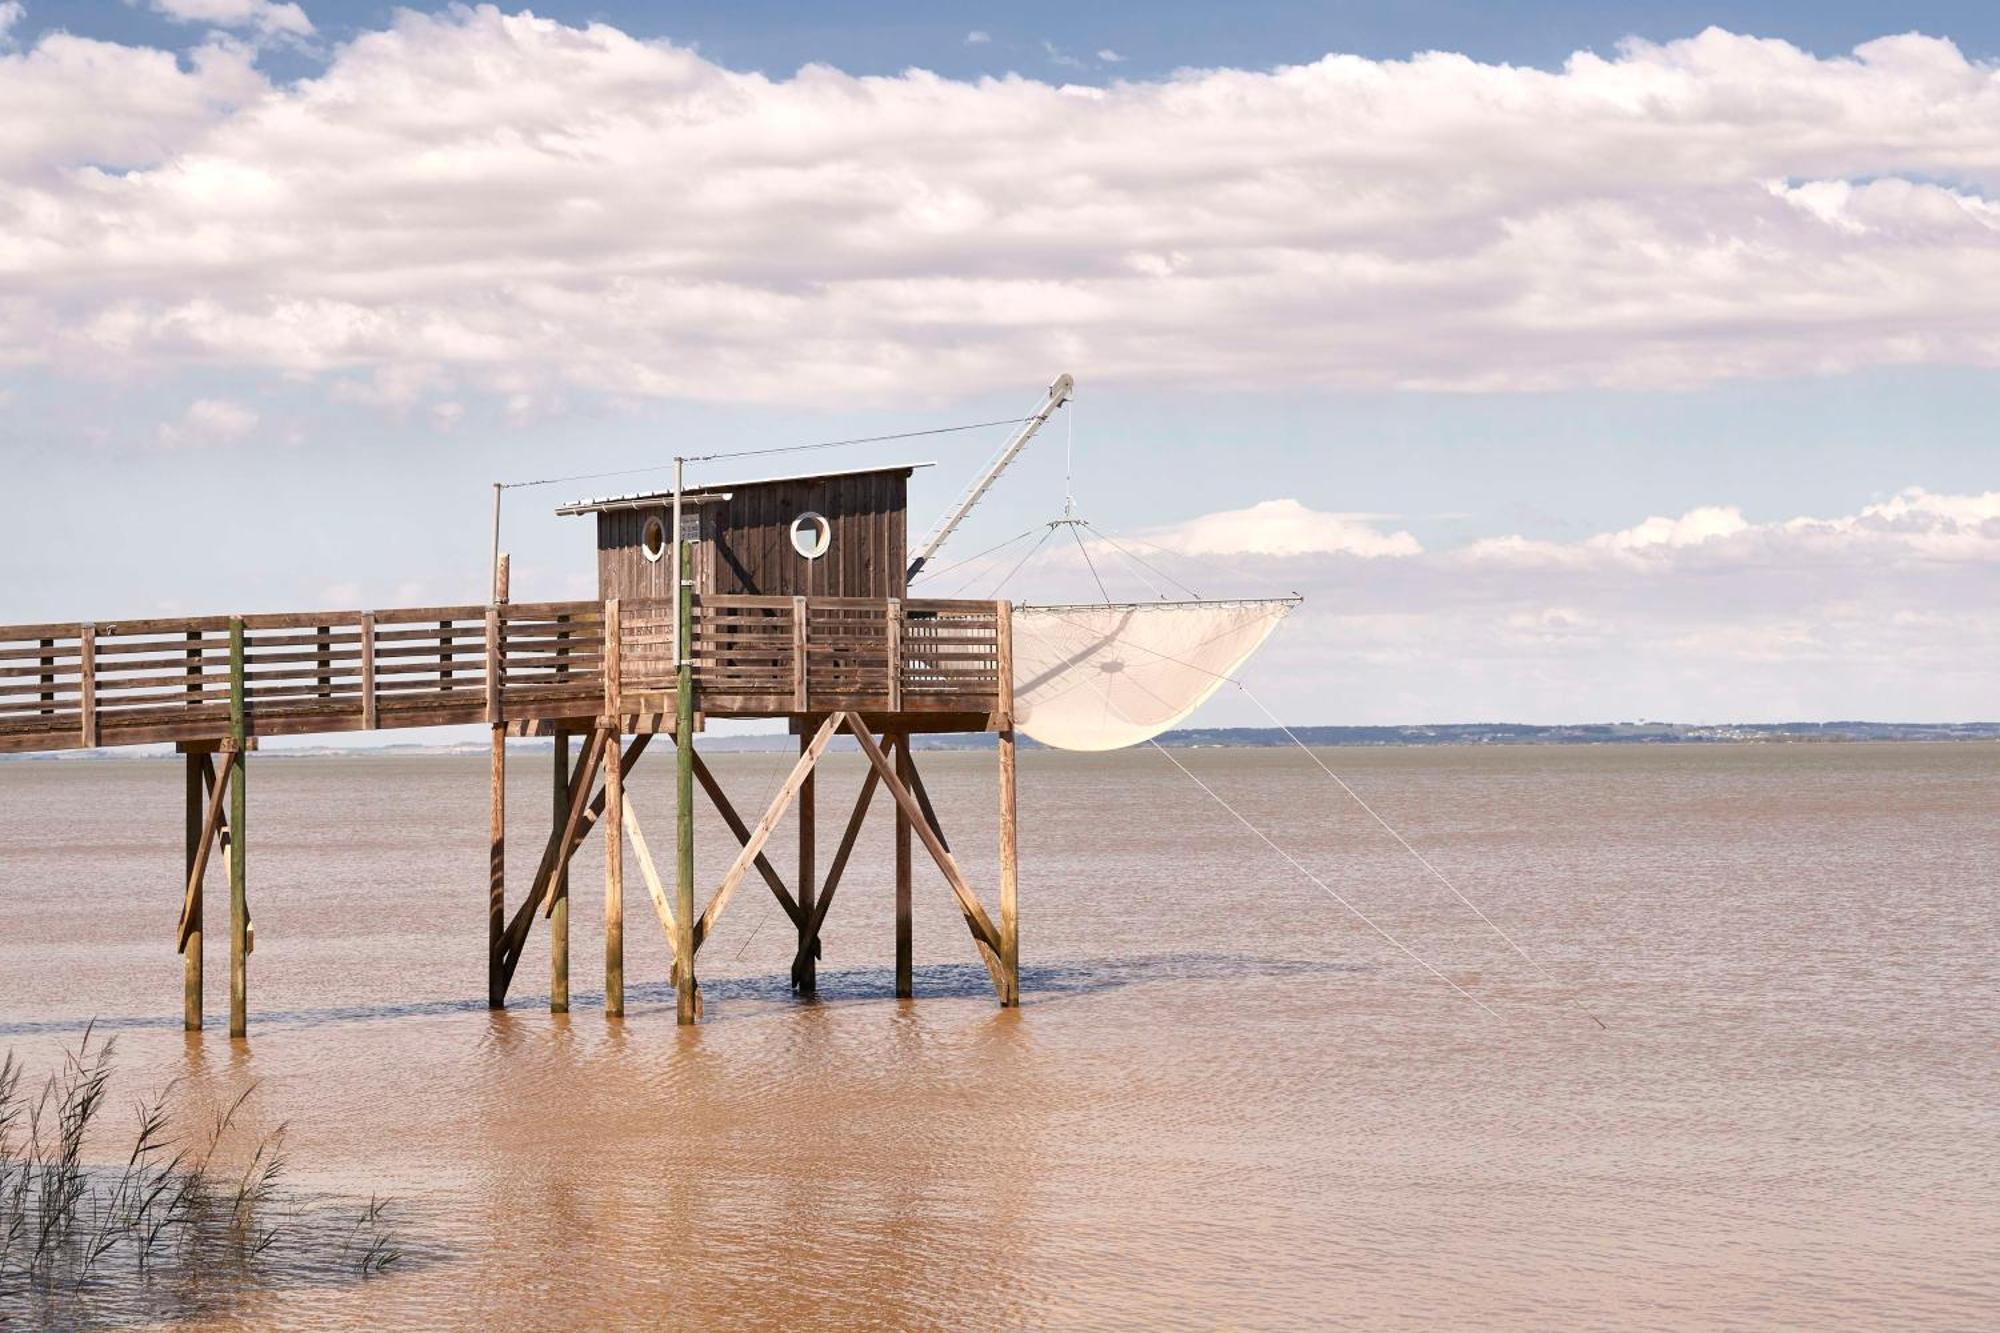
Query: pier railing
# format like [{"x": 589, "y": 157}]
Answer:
[{"x": 82, "y": 685}]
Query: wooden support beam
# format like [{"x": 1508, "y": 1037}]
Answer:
[
  {"x": 1010, "y": 877},
  {"x": 808, "y": 756},
  {"x": 496, "y": 869},
  {"x": 558, "y": 909},
  {"x": 203, "y": 837},
  {"x": 614, "y": 838},
  {"x": 561, "y": 844},
  {"x": 723, "y": 807},
  {"x": 687, "y": 996},
  {"x": 915, "y": 782},
  {"x": 805, "y": 976},
  {"x": 809, "y": 938},
  {"x": 906, "y": 933},
  {"x": 976, "y": 920},
  {"x": 239, "y": 864},
  {"x": 198, "y": 834},
  {"x": 644, "y": 856},
  {"x": 614, "y": 884}
]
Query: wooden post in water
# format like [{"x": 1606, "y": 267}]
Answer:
[
  {"x": 1010, "y": 926},
  {"x": 191, "y": 948},
  {"x": 806, "y": 976},
  {"x": 614, "y": 822},
  {"x": 685, "y": 1000},
  {"x": 496, "y": 850},
  {"x": 559, "y": 890},
  {"x": 239, "y": 841},
  {"x": 905, "y": 924}
]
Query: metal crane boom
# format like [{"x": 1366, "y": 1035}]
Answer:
[{"x": 1059, "y": 393}]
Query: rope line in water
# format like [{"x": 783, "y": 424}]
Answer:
[
  {"x": 1570, "y": 990},
  {"x": 1421, "y": 859},
  {"x": 1328, "y": 889}
]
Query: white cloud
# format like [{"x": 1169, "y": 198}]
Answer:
[
  {"x": 268, "y": 18},
  {"x": 11, "y": 13},
  {"x": 1059, "y": 57},
  {"x": 208, "y": 421},
  {"x": 540, "y": 209},
  {"x": 978, "y": 37},
  {"x": 1884, "y": 612},
  {"x": 1110, "y": 57},
  {"x": 1283, "y": 528}
]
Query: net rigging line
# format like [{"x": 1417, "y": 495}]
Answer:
[
  {"x": 1329, "y": 890},
  {"x": 1569, "y": 988},
  {"x": 757, "y": 453}
]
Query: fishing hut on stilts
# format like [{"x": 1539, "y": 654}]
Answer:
[{"x": 773, "y": 598}]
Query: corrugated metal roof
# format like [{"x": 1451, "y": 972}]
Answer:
[{"x": 716, "y": 492}]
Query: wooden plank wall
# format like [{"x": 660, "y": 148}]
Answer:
[{"x": 746, "y": 546}]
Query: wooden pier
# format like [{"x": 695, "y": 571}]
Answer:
[{"x": 603, "y": 675}]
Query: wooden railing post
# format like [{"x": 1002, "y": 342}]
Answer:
[
  {"x": 368, "y": 671},
  {"x": 799, "y": 648},
  {"x": 893, "y": 630},
  {"x": 1010, "y": 925},
  {"x": 239, "y": 899},
  {"x": 445, "y": 640},
  {"x": 493, "y": 666},
  {"x": 87, "y": 652}
]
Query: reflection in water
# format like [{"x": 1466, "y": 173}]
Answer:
[{"x": 1222, "y": 1103}]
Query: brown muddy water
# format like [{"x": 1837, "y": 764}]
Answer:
[{"x": 1224, "y": 1102}]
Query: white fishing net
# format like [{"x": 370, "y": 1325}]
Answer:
[{"x": 1104, "y": 677}]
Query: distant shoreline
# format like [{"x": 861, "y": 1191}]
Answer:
[{"x": 1246, "y": 738}]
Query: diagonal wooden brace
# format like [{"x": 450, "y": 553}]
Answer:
[
  {"x": 976, "y": 920},
  {"x": 652, "y": 877},
  {"x": 720, "y": 799},
  {"x": 211, "y": 822},
  {"x": 810, "y": 943},
  {"x": 561, "y": 844},
  {"x": 765, "y": 827}
]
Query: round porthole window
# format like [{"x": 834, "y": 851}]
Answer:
[
  {"x": 810, "y": 534},
  {"x": 653, "y": 541}
]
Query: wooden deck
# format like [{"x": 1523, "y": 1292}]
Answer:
[{"x": 528, "y": 666}]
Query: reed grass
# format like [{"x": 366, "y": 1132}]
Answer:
[{"x": 179, "y": 1220}]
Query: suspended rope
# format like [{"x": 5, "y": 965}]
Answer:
[
  {"x": 1387, "y": 827},
  {"x": 942, "y": 570},
  {"x": 1421, "y": 859},
  {"x": 756, "y": 453},
  {"x": 1328, "y": 889}
]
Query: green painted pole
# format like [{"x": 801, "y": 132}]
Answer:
[
  {"x": 684, "y": 792},
  {"x": 239, "y": 843}
]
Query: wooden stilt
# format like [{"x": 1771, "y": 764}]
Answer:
[
  {"x": 686, "y": 1000},
  {"x": 1010, "y": 923},
  {"x": 614, "y": 838},
  {"x": 559, "y": 889},
  {"x": 496, "y": 871},
  {"x": 239, "y": 843},
  {"x": 191, "y": 905},
  {"x": 905, "y": 921},
  {"x": 805, "y": 973}
]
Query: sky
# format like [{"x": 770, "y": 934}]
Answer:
[{"x": 1575, "y": 362}]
